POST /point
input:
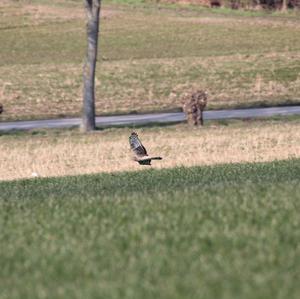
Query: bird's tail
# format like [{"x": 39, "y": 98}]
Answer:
[{"x": 156, "y": 158}]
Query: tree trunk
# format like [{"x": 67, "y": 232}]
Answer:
[
  {"x": 93, "y": 20},
  {"x": 284, "y": 6}
]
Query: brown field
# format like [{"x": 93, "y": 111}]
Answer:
[{"x": 59, "y": 153}]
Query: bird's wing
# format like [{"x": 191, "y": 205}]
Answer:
[{"x": 136, "y": 146}]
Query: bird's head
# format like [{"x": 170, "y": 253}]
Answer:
[{"x": 134, "y": 134}]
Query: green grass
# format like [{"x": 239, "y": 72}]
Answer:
[
  {"x": 229, "y": 231},
  {"x": 149, "y": 56}
]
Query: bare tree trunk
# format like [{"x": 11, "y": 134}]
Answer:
[
  {"x": 284, "y": 6},
  {"x": 93, "y": 20}
]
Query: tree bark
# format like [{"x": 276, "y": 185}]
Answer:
[
  {"x": 93, "y": 20},
  {"x": 284, "y": 6}
]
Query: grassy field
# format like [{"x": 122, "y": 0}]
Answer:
[
  {"x": 150, "y": 56},
  {"x": 59, "y": 153},
  {"x": 229, "y": 231}
]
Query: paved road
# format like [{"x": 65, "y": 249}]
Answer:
[{"x": 140, "y": 119}]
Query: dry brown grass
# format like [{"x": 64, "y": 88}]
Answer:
[
  {"x": 71, "y": 153},
  {"x": 237, "y": 21},
  {"x": 26, "y": 13},
  {"x": 46, "y": 13}
]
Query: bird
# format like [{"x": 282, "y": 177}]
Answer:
[{"x": 140, "y": 153}]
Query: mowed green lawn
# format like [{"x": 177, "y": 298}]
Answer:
[
  {"x": 228, "y": 231},
  {"x": 149, "y": 57}
]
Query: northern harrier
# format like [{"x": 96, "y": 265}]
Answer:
[{"x": 140, "y": 153}]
